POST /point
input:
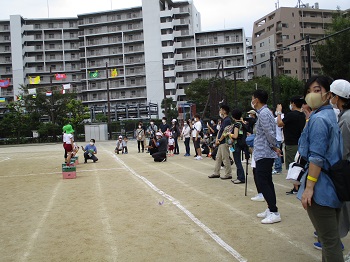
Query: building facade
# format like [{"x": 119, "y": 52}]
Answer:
[
  {"x": 283, "y": 28},
  {"x": 155, "y": 50}
]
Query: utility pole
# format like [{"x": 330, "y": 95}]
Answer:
[
  {"x": 308, "y": 54},
  {"x": 272, "y": 79},
  {"x": 108, "y": 104},
  {"x": 235, "y": 87}
]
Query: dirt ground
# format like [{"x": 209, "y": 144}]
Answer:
[{"x": 128, "y": 208}]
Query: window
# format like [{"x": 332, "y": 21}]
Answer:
[
  {"x": 73, "y": 66},
  {"x": 91, "y": 31},
  {"x": 91, "y": 20},
  {"x": 71, "y": 35},
  {"x": 51, "y": 36},
  {"x": 228, "y": 50},
  {"x": 227, "y": 38},
  {"x": 285, "y": 37},
  {"x": 122, "y": 94},
  {"x": 50, "y": 25},
  {"x": 39, "y": 57},
  {"x": 262, "y": 55},
  {"x": 263, "y": 66},
  {"x": 53, "y": 67},
  {"x": 7, "y": 48},
  {"x": 131, "y": 59},
  {"x": 216, "y": 50},
  {"x": 38, "y": 36},
  {"x": 215, "y": 39},
  {"x": 8, "y": 59},
  {"x": 8, "y": 69},
  {"x": 287, "y": 72},
  {"x": 38, "y": 47},
  {"x": 132, "y": 82},
  {"x": 119, "y": 17},
  {"x": 129, "y": 15},
  {"x": 52, "y": 46},
  {"x": 133, "y": 92},
  {"x": 72, "y": 56},
  {"x": 52, "y": 57},
  {"x": 228, "y": 62},
  {"x": 39, "y": 68},
  {"x": 131, "y": 48},
  {"x": 37, "y": 26},
  {"x": 71, "y": 24},
  {"x": 286, "y": 60},
  {"x": 6, "y": 37},
  {"x": 72, "y": 45},
  {"x": 262, "y": 44},
  {"x": 6, "y": 27},
  {"x": 129, "y": 26},
  {"x": 130, "y": 37},
  {"x": 74, "y": 77}
]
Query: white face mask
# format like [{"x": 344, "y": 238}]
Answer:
[
  {"x": 333, "y": 105},
  {"x": 252, "y": 104},
  {"x": 91, "y": 143},
  {"x": 163, "y": 121},
  {"x": 290, "y": 107},
  {"x": 152, "y": 123},
  {"x": 212, "y": 122}
]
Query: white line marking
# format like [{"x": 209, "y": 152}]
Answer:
[
  {"x": 41, "y": 223},
  {"x": 214, "y": 236},
  {"x": 52, "y": 173},
  {"x": 248, "y": 216},
  {"x": 4, "y": 159},
  {"x": 105, "y": 218}
]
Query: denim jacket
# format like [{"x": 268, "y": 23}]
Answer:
[{"x": 321, "y": 144}]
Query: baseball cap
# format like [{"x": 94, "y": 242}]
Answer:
[
  {"x": 159, "y": 134},
  {"x": 251, "y": 112},
  {"x": 174, "y": 120},
  {"x": 341, "y": 88},
  {"x": 120, "y": 136}
]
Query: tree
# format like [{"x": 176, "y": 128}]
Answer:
[
  {"x": 334, "y": 54},
  {"x": 77, "y": 113},
  {"x": 170, "y": 112},
  {"x": 15, "y": 122},
  {"x": 197, "y": 93}
]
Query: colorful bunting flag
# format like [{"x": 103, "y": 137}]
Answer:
[
  {"x": 2, "y": 99},
  {"x": 32, "y": 91},
  {"x": 94, "y": 74},
  {"x": 60, "y": 76},
  {"x": 49, "y": 93},
  {"x": 4, "y": 83},
  {"x": 114, "y": 72},
  {"x": 34, "y": 80},
  {"x": 66, "y": 86},
  {"x": 19, "y": 98}
]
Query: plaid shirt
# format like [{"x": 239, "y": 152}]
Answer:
[{"x": 265, "y": 137}]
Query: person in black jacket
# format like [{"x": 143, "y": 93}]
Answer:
[
  {"x": 162, "y": 145},
  {"x": 175, "y": 131}
]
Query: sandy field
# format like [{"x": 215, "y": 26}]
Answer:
[{"x": 129, "y": 208}]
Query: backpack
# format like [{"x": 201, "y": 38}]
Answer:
[
  {"x": 242, "y": 135},
  {"x": 340, "y": 175}
]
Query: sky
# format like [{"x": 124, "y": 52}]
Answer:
[{"x": 216, "y": 15}]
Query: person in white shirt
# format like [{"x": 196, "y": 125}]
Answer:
[
  {"x": 68, "y": 142},
  {"x": 279, "y": 136},
  {"x": 197, "y": 128},
  {"x": 186, "y": 135}
]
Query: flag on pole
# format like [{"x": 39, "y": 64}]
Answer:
[
  {"x": 63, "y": 91},
  {"x": 94, "y": 74},
  {"x": 4, "y": 83},
  {"x": 34, "y": 80},
  {"x": 66, "y": 86},
  {"x": 114, "y": 72},
  {"x": 32, "y": 91},
  {"x": 2, "y": 99},
  {"x": 19, "y": 98},
  {"x": 48, "y": 93},
  {"x": 60, "y": 76}
]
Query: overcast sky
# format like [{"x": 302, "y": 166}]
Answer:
[{"x": 216, "y": 14}]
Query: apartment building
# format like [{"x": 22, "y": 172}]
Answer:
[
  {"x": 157, "y": 50},
  {"x": 283, "y": 27}
]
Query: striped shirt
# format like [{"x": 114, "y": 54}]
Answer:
[{"x": 265, "y": 137}]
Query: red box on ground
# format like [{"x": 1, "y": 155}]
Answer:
[{"x": 69, "y": 174}]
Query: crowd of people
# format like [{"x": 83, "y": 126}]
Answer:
[{"x": 316, "y": 127}]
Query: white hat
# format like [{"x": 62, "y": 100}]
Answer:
[
  {"x": 252, "y": 112},
  {"x": 174, "y": 120},
  {"x": 159, "y": 134},
  {"x": 120, "y": 136},
  {"x": 341, "y": 88}
]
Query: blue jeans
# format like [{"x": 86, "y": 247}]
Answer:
[
  {"x": 238, "y": 163},
  {"x": 278, "y": 162}
]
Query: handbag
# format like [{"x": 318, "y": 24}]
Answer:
[
  {"x": 296, "y": 170},
  {"x": 340, "y": 176}
]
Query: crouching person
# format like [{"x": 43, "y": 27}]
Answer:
[
  {"x": 162, "y": 145},
  {"x": 90, "y": 151}
]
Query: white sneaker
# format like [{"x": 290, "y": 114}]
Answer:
[
  {"x": 259, "y": 198},
  {"x": 221, "y": 167},
  {"x": 263, "y": 214},
  {"x": 199, "y": 158},
  {"x": 271, "y": 218}
]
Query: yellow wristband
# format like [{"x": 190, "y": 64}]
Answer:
[{"x": 312, "y": 178}]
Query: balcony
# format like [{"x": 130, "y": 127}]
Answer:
[
  {"x": 170, "y": 73},
  {"x": 170, "y": 85}
]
